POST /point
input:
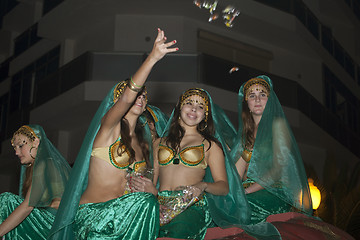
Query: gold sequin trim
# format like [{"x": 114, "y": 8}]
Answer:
[
  {"x": 113, "y": 150},
  {"x": 201, "y": 148},
  {"x": 152, "y": 114},
  {"x": 119, "y": 89},
  {"x": 246, "y": 155},
  {"x": 164, "y": 200},
  {"x": 168, "y": 159},
  {"x": 255, "y": 81},
  {"x": 27, "y": 131},
  {"x": 198, "y": 92}
]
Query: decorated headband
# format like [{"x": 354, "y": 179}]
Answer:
[
  {"x": 120, "y": 89},
  {"x": 198, "y": 92},
  {"x": 27, "y": 131},
  {"x": 256, "y": 82}
]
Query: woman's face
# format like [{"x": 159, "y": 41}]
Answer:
[
  {"x": 257, "y": 100},
  {"x": 192, "y": 111},
  {"x": 22, "y": 147},
  {"x": 140, "y": 104}
]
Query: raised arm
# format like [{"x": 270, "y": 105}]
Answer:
[
  {"x": 114, "y": 115},
  {"x": 17, "y": 216},
  {"x": 216, "y": 162}
]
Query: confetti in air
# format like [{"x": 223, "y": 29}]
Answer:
[
  {"x": 197, "y": 3},
  {"x": 213, "y": 17},
  {"x": 229, "y": 13},
  {"x": 234, "y": 69}
]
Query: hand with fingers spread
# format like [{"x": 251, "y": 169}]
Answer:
[{"x": 161, "y": 47}]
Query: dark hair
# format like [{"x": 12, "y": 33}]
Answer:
[
  {"x": 126, "y": 139},
  {"x": 176, "y": 132},
  {"x": 248, "y": 139},
  {"x": 150, "y": 120}
]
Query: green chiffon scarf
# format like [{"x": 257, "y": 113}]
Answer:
[
  {"x": 276, "y": 163},
  {"x": 50, "y": 172}
]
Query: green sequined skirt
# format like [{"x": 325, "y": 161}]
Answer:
[
  {"x": 36, "y": 226},
  {"x": 190, "y": 224},
  {"x": 132, "y": 216}
]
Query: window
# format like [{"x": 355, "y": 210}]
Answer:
[
  {"x": 26, "y": 40},
  {"x": 23, "y": 83},
  {"x": 340, "y": 101}
]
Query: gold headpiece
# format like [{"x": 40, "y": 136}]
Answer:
[
  {"x": 255, "y": 81},
  {"x": 119, "y": 90},
  {"x": 198, "y": 92},
  {"x": 27, "y": 131}
]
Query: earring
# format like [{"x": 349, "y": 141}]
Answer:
[
  {"x": 30, "y": 153},
  {"x": 202, "y": 129}
]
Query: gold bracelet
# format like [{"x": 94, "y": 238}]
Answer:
[
  {"x": 135, "y": 85},
  {"x": 134, "y": 89}
]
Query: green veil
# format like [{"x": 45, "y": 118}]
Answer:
[
  {"x": 50, "y": 172},
  {"x": 232, "y": 209},
  {"x": 62, "y": 227},
  {"x": 276, "y": 163},
  {"x": 160, "y": 119}
]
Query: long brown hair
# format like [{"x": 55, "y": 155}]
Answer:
[
  {"x": 248, "y": 139},
  {"x": 126, "y": 139}
]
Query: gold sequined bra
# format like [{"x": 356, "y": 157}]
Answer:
[
  {"x": 110, "y": 155},
  {"x": 190, "y": 156}
]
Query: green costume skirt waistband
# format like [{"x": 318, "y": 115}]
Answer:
[{"x": 132, "y": 216}]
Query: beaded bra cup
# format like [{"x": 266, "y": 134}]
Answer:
[
  {"x": 192, "y": 156},
  {"x": 110, "y": 155}
]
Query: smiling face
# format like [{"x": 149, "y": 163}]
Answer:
[
  {"x": 192, "y": 111},
  {"x": 22, "y": 146},
  {"x": 257, "y": 99},
  {"x": 140, "y": 104}
]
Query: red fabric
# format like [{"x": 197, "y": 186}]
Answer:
[
  {"x": 292, "y": 226},
  {"x": 216, "y": 232}
]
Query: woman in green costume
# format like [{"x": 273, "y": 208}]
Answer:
[
  {"x": 269, "y": 161},
  {"x": 194, "y": 171},
  {"x": 95, "y": 203},
  {"x": 44, "y": 173}
]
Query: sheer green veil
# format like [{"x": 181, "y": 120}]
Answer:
[
  {"x": 50, "y": 171},
  {"x": 276, "y": 163},
  {"x": 232, "y": 209},
  {"x": 62, "y": 227}
]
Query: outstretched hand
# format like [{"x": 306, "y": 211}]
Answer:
[{"x": 161, "y": 47}]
